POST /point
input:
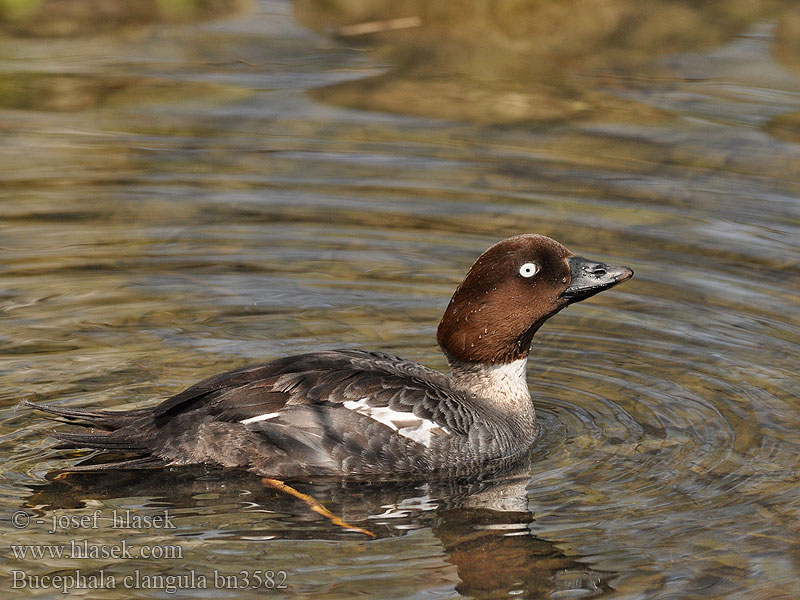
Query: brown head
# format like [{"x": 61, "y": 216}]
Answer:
[{"x": 511, "y": 290}]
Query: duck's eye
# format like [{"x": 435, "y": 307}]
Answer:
[{"x": 528, "y": 269}]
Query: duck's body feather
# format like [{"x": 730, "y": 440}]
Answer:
[{"x": 346, "y": 411}]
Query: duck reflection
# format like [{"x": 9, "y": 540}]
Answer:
[{"x": 484, "y": 527}]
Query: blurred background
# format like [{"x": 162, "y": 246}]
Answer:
[{"x": 188, "y": 186}]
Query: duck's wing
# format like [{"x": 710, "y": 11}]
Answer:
[
  {"x": 322, "y": 408},
  {"x": 384, "y": 387}
]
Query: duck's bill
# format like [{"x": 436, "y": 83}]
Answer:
[{"x": 590, "y": 277}]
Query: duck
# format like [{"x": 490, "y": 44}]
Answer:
[{"x": 359, "y": 413}]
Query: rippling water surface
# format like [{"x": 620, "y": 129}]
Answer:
[{"x": 208, "y": 184}]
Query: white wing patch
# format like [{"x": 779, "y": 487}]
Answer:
[
  {"x": 404, "y": 423},
  {"x": 258, "y": 418}
]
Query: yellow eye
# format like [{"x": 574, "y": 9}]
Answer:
[{"x": 528, "y": 269}]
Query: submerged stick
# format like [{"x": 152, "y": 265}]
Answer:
[{"x": 279, "y": 485}]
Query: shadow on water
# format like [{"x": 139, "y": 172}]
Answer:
[{"x": 483, "y": 527}]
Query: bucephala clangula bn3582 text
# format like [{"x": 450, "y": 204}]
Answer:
[{"x": 359, "y": 413}]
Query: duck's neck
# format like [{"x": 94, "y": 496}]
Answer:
[{"x": 503, "y": 386}]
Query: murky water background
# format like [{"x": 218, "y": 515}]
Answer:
[{"x": 202, "y": 185}]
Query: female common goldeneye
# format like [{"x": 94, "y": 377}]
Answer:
[{"x": 359, "y": 413}]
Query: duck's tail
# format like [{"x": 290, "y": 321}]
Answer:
[
  {"x": 107, "y": 431},
  {"x": 99, "y": 419}
]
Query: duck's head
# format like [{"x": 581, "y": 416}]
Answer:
[{"x": 511, "y": 290}]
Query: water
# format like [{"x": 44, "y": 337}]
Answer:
[{"x": 187, "y": 193}]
